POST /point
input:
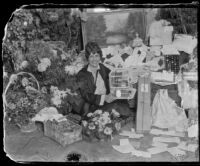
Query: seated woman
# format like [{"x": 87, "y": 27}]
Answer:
[{"x": 95, "y": 90}]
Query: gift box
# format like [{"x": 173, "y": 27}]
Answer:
[
  {"x": 64, "y": 132},
  {"x": 143, "y": 115}
]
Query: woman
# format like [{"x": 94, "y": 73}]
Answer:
[{"x": 94, "y": 78}]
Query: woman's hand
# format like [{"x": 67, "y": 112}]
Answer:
[{"x": 109, "y": 98}]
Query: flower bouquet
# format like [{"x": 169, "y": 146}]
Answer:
[
  {"x": 22, "y": 100},
  {"x": 101, "y": 125}
]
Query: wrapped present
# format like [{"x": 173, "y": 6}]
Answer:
[
  {"x": 74, "y": 117},
  {"x": 64, "y": 132}
]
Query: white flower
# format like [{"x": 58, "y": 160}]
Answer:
[
  {"x": 90, "y": 114},
  {"x": 25, "y": 82},
  {"x": 108, "y": 131},
  {"x": 24, "y": 64},
  {"x": 53, "y": 88},
  {"x": 115, "y": 113},
  {"x": 84, "y": 123},
  {"x": 56, "y": 101},
  {"x": 41, "y": 67},
  {"x": 103, "y": 120},
  {"x": 63, "y": 56},
  {"x": 91, "y": 126},
  {"x": 98, "y": 112},
  {"x": 11, "y": 106},
  {"x": 96, "y": 122},
  {"x": 28, "y": 88},
  {"x": 70, "y": 69},
  {"x": 46, "y": 61},
  {"x": 106, "y": 114},
  {"x": 94, "y": 119},
  {"x": 25, "y": 23}
]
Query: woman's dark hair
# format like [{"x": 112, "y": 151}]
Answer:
[{"x": 92, "y": 47}]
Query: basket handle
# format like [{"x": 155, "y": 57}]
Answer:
[{"x": 10, "y": 82}]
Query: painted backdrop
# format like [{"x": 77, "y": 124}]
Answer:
[{"x": 115, "y": 27}]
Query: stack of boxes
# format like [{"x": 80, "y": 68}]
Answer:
[{"x": 143, "y": 116}]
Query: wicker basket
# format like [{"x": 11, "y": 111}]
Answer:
[
  {"x": 11, "y": 82},
  {"x": 52, "y": 130},
  {"x": 30, "y": 127}
]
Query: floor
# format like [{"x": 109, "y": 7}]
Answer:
[{"x": 37, "y": 147}]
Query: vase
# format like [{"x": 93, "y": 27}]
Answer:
[{"x": 30, "y": 127}]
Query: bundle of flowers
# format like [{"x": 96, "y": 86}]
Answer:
[
  {"x": 62, "y": 99},
  {"x": 78, "y": 63},
  {"x": 22, "y": 100},
  {"x": 51, "y": 63},
  {"x": 101, "y": 125}
]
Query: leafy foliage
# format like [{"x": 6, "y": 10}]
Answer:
[{"x": 49, "y": 24}]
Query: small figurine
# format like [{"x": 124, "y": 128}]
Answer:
[{"x": 137, "y": 42}]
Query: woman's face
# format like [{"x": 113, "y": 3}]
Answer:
[{"x": 94, "y": 59}]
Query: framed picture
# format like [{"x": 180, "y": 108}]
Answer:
[{"x": 114, "y": 27}]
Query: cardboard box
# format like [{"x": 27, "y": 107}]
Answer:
[
  {"x": 57, "y": 131},
  {"x": 143, "y": 115}
]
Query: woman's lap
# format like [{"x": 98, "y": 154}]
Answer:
[{"x": 120, "y": 106}]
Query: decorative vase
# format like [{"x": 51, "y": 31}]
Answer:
[{"x": 30, "y": 127}]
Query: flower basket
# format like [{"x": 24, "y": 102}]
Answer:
[
  {"x": 101, "y": 126},
  {"x": 12, "y": 79},
  {"x": 23, "y": 102}
]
